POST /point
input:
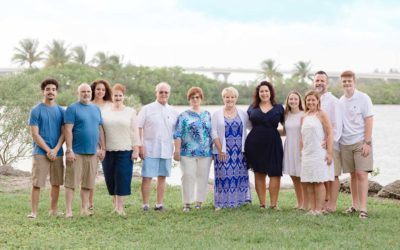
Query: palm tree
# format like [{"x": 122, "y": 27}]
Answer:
[
  {"x": 27, "y": 52},
  {"x": 302, "y": 71},
  {"x": 57, "y": 53},
  {"x": 270, "y": 70},
  {"x": 103, "y": 60},
  {"x": 100, "y": 59},
  {"x": 79, "y": 54}
]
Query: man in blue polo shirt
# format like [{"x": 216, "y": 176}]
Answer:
[
  {"x": 83, "y": 134},
  {"x": 46, "y": 124}
]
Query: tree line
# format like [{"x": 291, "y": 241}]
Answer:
[{"x": 20, "y": 91}]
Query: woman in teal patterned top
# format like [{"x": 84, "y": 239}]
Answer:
[{"x": 193, "y": 148}]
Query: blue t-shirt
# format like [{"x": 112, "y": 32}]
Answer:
[
  {"x": 86, "y": 119},
  {"x": 49, "y": 120}
]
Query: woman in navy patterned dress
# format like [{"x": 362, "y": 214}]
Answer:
[{"x": 229, "y": 130}]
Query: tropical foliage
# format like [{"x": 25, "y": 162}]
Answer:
[{"x": 27, "y": 52}]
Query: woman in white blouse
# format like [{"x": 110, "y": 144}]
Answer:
[{"x": 122, "y": 147}]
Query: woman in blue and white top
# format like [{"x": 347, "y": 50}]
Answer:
[{"x": 193, "y": 148}]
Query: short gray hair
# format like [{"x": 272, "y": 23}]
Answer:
[{"x": 162, "y": 84}]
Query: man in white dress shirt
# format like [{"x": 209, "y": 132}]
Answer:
[
  {"x": 156, "y": 124},
  {"x": 356, "y": 142},
  {"x": 330, "y": 105}
]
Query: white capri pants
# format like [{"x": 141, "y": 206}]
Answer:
[{"x": 195, "y": 172}]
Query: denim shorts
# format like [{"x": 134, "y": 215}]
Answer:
[{"x": 154, "y": 167}]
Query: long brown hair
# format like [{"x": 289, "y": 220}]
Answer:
[
  {"x": 287, "y": 107},
  {"x": 256, "y": 96},
  {"x": 107, "y": 95}
]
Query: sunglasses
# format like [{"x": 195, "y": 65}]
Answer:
[{"x": 163, "y": 92}]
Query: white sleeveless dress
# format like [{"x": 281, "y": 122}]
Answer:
[
  {"x": 313, "y": 165},
  {"x": 291, "y": 152}
]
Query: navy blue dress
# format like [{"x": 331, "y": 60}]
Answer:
[{"x": 263, "y": 146}]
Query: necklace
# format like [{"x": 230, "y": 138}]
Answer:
[{"x": 231, "y": 114}]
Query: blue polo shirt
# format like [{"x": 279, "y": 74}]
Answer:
[
  {"x": 49, "y": 120},
  {"x": 86, "y": 119}
]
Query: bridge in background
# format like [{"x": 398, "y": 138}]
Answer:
[{"x": 226, "y": 72}]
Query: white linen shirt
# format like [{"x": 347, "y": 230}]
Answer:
[
  {"x": 331, "y": 106},
  {"x": 355, "y": 110},
  {"x": 218, "y": 128},
  {"x": 158, "y": 123}
]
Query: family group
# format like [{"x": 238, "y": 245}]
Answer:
[{"x": 324, "y": 137}]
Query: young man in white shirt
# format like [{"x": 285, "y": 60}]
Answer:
[
  {"x": 356, "y": 141},
  {"x": 331, "y": 106}
]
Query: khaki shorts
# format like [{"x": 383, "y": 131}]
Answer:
[
  {"x": 353, "y": 160},
  {"x": 81, "y": 172},
  {"x": 337, "y": 162},
  {"x": 42, "y": 166}
]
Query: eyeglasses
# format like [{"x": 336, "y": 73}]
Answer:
[
  {"x": 163, "y": 92},
  {"x": 195, "y": 97}
]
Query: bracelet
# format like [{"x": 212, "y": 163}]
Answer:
[{"x": 369, "y": 143}]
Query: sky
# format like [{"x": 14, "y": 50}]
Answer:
[{"x": 333, "y": 35}]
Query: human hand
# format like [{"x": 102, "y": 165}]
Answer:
[
  {"x": 71, "y": 156},
  {"x": 142, "y": 153},
  {"x": 222, "y": 156},
  {"x": 52, "y": 155},
  {"x": 134, "y": 155},
  {"x": 328, "y": 159},
  {"x": 177, "y": 156},
  {"x": 101, "y": 153},
  {"x": 366, "y": 149}
]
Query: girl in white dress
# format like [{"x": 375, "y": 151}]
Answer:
[
  {"x": 291, "y": 154},
  {"x": 316, "y": 161}
]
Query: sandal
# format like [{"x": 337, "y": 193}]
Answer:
[
  {"x": 350, "y": 210},
  {"x": 363, "y": 215},
  {"x": 262, "y": 206},
  {"x": 274, "y": 207},
  {"x": 31, "y": 216}
]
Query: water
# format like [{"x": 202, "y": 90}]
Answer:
[{"x": 386, "y": 143}]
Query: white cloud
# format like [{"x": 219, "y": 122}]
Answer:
[{"x": 362, "y": 37}]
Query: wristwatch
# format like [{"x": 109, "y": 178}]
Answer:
[{"x": 369, "y": 143}]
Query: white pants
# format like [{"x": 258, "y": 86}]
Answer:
[{"x": 195, "y": 172}]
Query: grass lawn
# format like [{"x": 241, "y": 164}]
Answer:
[{"x": 247, "y": 227}]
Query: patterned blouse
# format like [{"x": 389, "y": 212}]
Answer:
[{"x": 194, "y": 130}]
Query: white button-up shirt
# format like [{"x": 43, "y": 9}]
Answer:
[
  {"x": 331, "y": 106},
  {"x": 158, "y": 123}
]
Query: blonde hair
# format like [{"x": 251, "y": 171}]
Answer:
[{"x": 230, "y": 90}]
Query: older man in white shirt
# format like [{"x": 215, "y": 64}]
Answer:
[
  {"x": 156, "y": 124},
  {"x": 330, "y": 105}
]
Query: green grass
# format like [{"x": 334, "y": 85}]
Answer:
[{"x": 243, "y": 228}]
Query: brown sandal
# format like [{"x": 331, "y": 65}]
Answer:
[
  {"x": 350, "y": 210},
  {"x": 363, "y": 215}
]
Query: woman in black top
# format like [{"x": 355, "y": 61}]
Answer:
[{"x": 263, "y": 147}]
